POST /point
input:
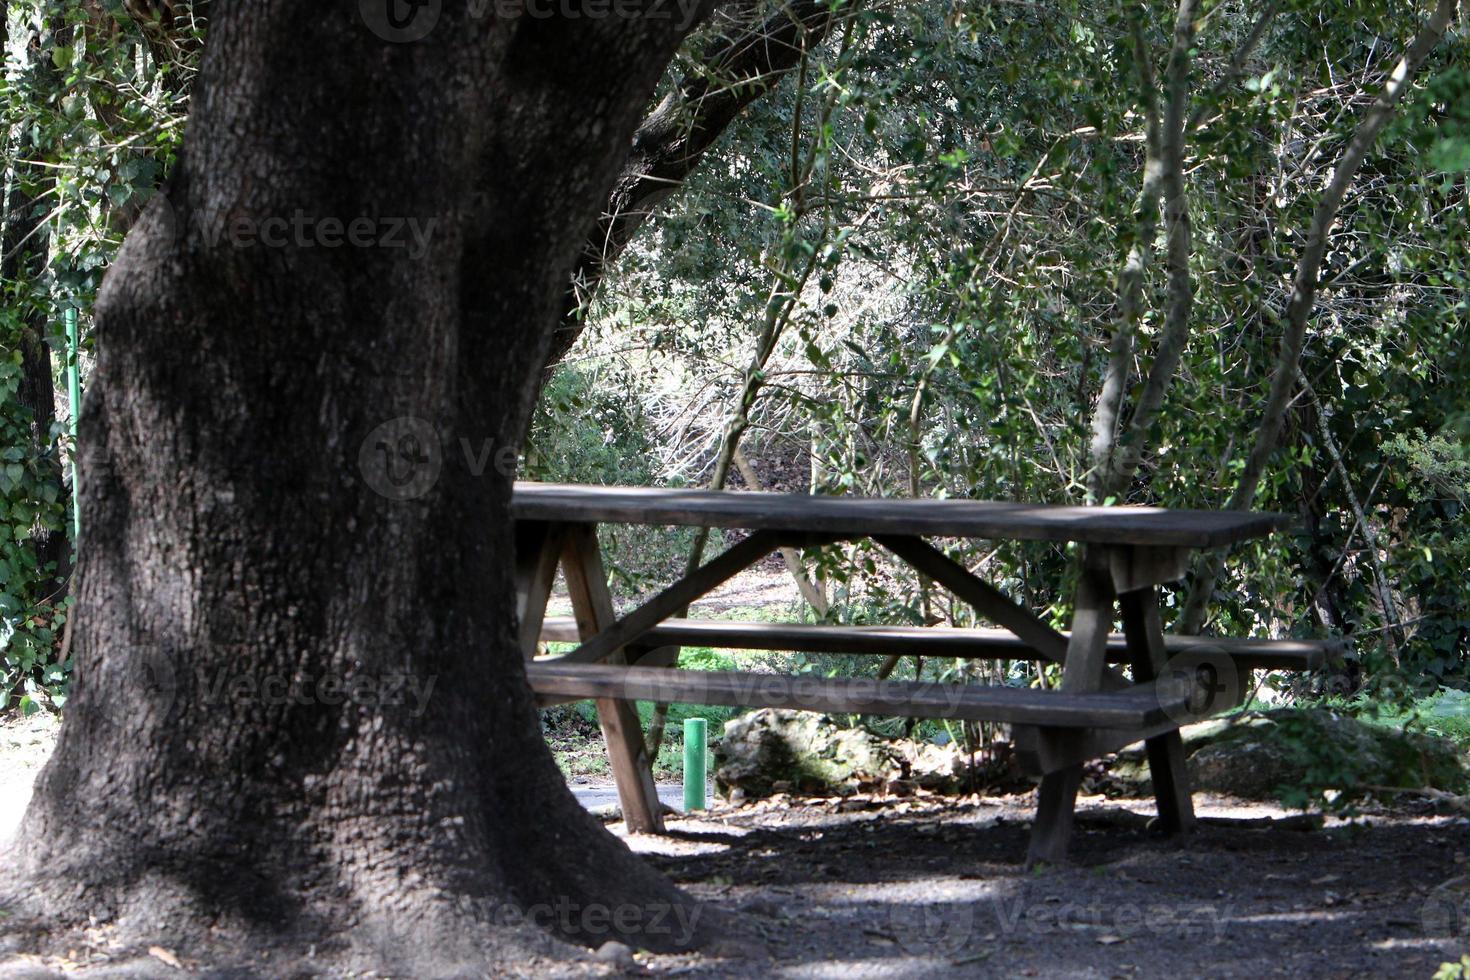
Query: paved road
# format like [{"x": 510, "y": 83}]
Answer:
[{"x": 593, "y": 795}]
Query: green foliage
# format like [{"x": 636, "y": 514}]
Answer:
[
  {"x": 972, "y": 197},
  {"x": 96, "y": 110},
  {"x": 31, "y": 501},
  {"x": 1454, "y": 971},
  {"x": 925, "y": 226}
]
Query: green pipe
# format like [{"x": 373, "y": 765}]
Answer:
[
  {"x": 74, "y": 393},
  {"x": 696, "y": 731}
]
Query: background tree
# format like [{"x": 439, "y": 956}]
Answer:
[{"x": 959, "y": 338}]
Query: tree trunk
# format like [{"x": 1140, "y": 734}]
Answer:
[{"x": 299, "y": 718}]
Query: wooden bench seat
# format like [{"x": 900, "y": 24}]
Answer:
[
  {"x": 976, "y": 644},
  {"x": 1135, "y": 709}
]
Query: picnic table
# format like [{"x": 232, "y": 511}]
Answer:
[{"x": 1127, "y": 554}]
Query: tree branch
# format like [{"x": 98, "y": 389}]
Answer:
[
  {"x": 1180, "y": 304},
  {"x": 1106, "y": 414},
  {"x": 1304, "y": 294},
  {"x": 746, "y": 60}
]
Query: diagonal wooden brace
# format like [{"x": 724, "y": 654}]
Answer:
[{"x": 678, "y": 596}]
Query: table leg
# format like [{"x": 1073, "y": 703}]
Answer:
[
  {"x": 621, "y": 731},
  {"x": 538, "y": 553},
  {"x": 1166, "y": 766},
  {"x": 1082, "y": 671}
]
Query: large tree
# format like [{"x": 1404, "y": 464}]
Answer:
[{"x": 255, "y": 590}]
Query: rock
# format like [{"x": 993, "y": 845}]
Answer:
[
  {"x": 607, "y": 812},
  {"x": 617, "y": 954},
  {"x": 775, "y": 751},
  {"x": 947, "y": 768},
  {"x": 1298, "y": 755}
]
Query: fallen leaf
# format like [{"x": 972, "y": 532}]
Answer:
[{"x": 159, "y": 953}]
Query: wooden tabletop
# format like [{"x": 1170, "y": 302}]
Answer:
[{"x": 995, "y": 520}]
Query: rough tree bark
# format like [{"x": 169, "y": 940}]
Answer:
[{"x": 286, "y": 535}]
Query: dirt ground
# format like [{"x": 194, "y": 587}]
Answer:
[{"x": 930, "y": 887}]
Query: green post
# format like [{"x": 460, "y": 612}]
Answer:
[
  {"x": 74, "y": 392},
  {"x": 695, "y": 735}
]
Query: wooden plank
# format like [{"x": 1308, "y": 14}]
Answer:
[
  {"x": 945, "y": 641},
  {"x": 581, "y": 561},
  {"x": 618, "y": 718},
  {"x": 1129, "y": 710},
  {"x": 1043, "y": 750},
  {"x": 1165, "y": 751},
  {"x": 1082, "y": 674},
  {"x": 986, "y": 598},
  {"x": 538, "y": 552},
  {"x": 1143, "y": 567},
  {"x": 876, "y": 515},
  {"x": 617, "y": 633}
]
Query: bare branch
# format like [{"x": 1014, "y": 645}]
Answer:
[
  {"x": 1304, "y": 292},
  {"x": 745, "y": 62}
]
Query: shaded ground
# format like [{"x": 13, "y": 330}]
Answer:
[
  {"x": 928, "y": 887},
  {"x": 936, "y": 888}
]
